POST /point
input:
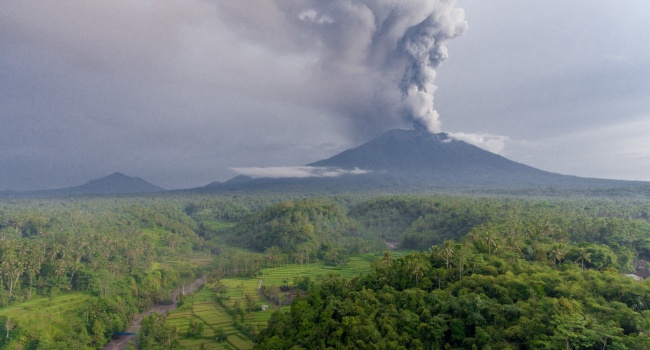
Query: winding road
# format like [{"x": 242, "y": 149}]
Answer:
[{"x": 119, "y": 343}]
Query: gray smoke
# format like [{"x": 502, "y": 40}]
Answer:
[
  {"x": 374, "y": 60},
  {"x": 424, "y": 47}
]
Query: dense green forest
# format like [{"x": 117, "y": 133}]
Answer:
[
  {"x": 507, "y": 274},
  {"x": 485, "y": 272}
]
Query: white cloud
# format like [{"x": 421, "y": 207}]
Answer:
[
  {"x": 488, "y": 142},
  {"x": 297, "y": 172}
]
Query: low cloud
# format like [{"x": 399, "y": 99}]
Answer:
[
  {"x": 488, "y": 142},
  {"x": 297, "y": 172}
]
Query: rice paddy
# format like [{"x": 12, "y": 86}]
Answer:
[
  {"x": 203, "y": 306},
  {"x": 46, "y": 315}
]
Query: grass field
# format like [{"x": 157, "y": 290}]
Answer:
[{"x": 216, "y": 225}]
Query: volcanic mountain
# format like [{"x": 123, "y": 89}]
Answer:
[{"x": 419, "y": 160}]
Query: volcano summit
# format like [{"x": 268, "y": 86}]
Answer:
[{"x": 412, "y": 160}]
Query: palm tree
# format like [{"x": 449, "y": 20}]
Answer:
[
  {"x": 583, "y": 255},
  {"x": 557, "y": 253},
  {"x": 448, "y": 251},
  {"x": 418, "y": 267},
  {"x": 387, "y": 260},
  {"x": 490, "y": 241}
]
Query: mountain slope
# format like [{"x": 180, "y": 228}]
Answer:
[
  {"x": 418, "y": 160},
  {"x": 436, "y": 159}
]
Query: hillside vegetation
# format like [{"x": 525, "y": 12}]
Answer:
[{"x": 75, "y": 270}]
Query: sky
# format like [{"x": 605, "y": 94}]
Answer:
[{"x": 184, "y": 93}]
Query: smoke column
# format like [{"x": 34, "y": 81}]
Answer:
[
  {"x": 376, "y": 59},
  {"x": 424, "y": 47}
]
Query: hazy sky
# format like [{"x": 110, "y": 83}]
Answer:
[{"x": 180, "y": 92}]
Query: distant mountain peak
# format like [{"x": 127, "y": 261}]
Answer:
[
  {"x": 117, "y": 174},
  {"x": 115, "y": 183}
]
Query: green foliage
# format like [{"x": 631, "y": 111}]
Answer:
[
  {"x": 114, "y": 251},
  {"x": 521, "y": 306},
  {"x": 304, "y": 230},
  {"x": 220, "y": 335},
  {"x": 517, "y": 256},
  {"x": 157, "y": 334},
  {"x": 522, "y": 274},
  {"x": 195, "y": 329}
]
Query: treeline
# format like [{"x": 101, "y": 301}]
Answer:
[
  {"x": 302, "y": 231},
  {"x": 305, "y": 230},
  {"x": 418, "y": 222}
]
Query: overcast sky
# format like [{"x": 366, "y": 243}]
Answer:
[{"x": 181, "y": 92}]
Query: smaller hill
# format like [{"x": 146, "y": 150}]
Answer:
[
  {"x": 116, "y": 183},
  {"x": 303, "y": 229}
]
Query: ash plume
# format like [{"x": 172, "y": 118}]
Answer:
[
  {"x": 371, "y": 62},
  {"x": 424, "y": 47}
]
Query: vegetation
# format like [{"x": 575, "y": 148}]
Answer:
[
  {"x": 304, "y": 230},
  {"x": 75, "y": 271},
  {"x": 489, "y": 291},
  {"x": 497, "y": 306},
  {"x": 489, "y": 272}
]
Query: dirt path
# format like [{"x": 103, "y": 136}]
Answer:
[
  {"x": 119, "y": 343},
  {"x": 263, "y": 297}
]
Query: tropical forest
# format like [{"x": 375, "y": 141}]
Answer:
[{"x": 357, "y": 271}]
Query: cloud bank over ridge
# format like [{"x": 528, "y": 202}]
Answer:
[{"x": 297, "y": 172}]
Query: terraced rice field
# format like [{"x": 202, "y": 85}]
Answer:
[
  {"x": 202, "y": 307},
  {"x": 43, "y": 314},
  {"x": 356, "y": 265}
]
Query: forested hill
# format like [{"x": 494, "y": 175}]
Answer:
[{"x": 313, "y": 229}]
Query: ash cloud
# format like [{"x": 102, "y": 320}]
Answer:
[{"x": 373, "y": 60}]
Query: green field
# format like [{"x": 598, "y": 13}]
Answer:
[{"x": 203, "y": 307}]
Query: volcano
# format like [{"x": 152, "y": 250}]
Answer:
[
  {"x": 420, "y": 157},
  {"x": 414, "y": 160}
]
